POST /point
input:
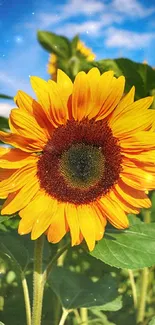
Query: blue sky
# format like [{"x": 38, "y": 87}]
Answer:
[{"x": 115, "y": 28}]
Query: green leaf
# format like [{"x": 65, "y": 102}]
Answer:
[
  {"x": 133, "y": 220},
  {"x": 74, "y": 44},
  {"x": 3, "y": 219},
  {"x": 153, "y": 206},
  {"x": 75, "y": 290},
  {"x": 114, "y": 305},
  {"x": 152, "y": 322},
  {"x": 53, "y": 43},
  {"x": 101, "y": 318},
  {"x": 5, "y": 96},
  {"x": 4, "y": 123},
  {"x": 142, "y": 76},
  {"x": 13, "y": 248},
  {"x": 132, "y": 248}
]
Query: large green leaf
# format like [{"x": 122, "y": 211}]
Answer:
[
  {"x": 4, "y": 218},
  {"x": 5, "y": 96},
  {"x": 114, "y": 305},
  {"x": 4, "y": 123},
  {"x": 132, "y": 248},
  {"x": 152, "y": 322},
  {"x": 140, "y": 75},
  {"x": 75, "y": 290},
  {"x": 54, "y": 43},
  {"x": 101, "y": 319},
  {"x": 74, "y": 43},
  {"x": 12, "y": 247}
]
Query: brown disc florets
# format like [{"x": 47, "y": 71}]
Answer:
[{"x": 80, "y": 163}]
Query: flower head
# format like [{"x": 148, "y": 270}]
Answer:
[
  {"x": 53, "y": 59},
  {"x": 84, "y": 154}
]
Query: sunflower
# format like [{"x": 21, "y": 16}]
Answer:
[
  {"x": 86, "y": 51},
  {"x": 84, "y": 155},
  {"x": 52, "y": 66}
]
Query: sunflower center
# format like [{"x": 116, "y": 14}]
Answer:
[{"x": 80, "y": 163}]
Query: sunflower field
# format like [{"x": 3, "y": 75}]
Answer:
[{"x": 77, "y": 181}]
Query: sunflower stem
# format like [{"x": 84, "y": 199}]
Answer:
[
  {"x": 144, "y": 280},
  {"x": 143, "y": 295},
  {"x": 38, "y": 282},
  {"x": 64, "y": 316},
  {"x": 133, "y": 287},
  {"x": 55, "y": 258},
  {"x": 84, "y": 315},
  {"x": 26, "y": 299}
]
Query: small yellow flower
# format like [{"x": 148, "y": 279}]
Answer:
[
  {"x": 87, "y": 52},
  {"x": 84, "y": 154},
  {"x": 52, "y": 64}
]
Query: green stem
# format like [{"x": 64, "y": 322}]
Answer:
[
  {"x": 77, "y": 316},
  {"x": 143, "y": 295},
  {"x": 26, "y": 299},
  {"x": 38, "y": 282},
  {"x": 55, "y": 258},
  {"x": 133, "y": 287},
  {"x": 64, "y": 317},
  {"x": 84, "y": 315}
]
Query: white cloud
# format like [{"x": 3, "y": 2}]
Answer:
[
  {"x": 87, "y": 7},
  {"x": 120, "y": 38},
  {"x": 47, "y": 19},
  {"x": 93, "y": 14},
  {"x": 5, "y": 109},
  {"x": 87, "y": 27},
  {"x": 131, "y": 8}
]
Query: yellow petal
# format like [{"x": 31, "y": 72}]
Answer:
[
  {"x": 73, "y": 222},
  {"x": 112, "y": 211},
  {"x": 65, "y": 84},
  {"x": 28, "y": 105},
  {"x": 81, "y": 101},
  {"x": 124, "y": 205},
  {"x": 101, "y": 87},
  {"x": 126, "y": 124},
  {"x": 112, "y": 98},
  {"x": 20, "y": 142},
  {"x": 17, "y": 180},
  {"x": 87, "y": 225},
  {"x": 58, "y": 227},
  {"x": 124, "y": 105},
  {"x": 41, "y": 89},
  {"x": 134, "y": 197},
  {"x": 16, "y": 158},
  {"x": 18, "y": 200},
  {"x": 37, "y": 215},
  {"x": 58, "y": 110},
  {"x": 26, "y": 125},
  {"x": 138, "y": 142}
]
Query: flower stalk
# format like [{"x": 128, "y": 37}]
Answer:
[
  {"x": 143, "y": 295},
  {"x": 38, "y": 282},
  {"x": 26, "y": 299}
]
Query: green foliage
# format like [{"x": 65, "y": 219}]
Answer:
[
  {"x": 132, "y": 248},
  {"x": 75, "y": 290},
  {"x": 5, "y": 96},
  {"x": 4, "y": 123},
  {"x": 5, "y": 218},
  {"x": 152, "y": 322},
  {"x": 51, "y": 42},
  {"x": 140, "y": 75},
  {"x": 13, "y": 248}
]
